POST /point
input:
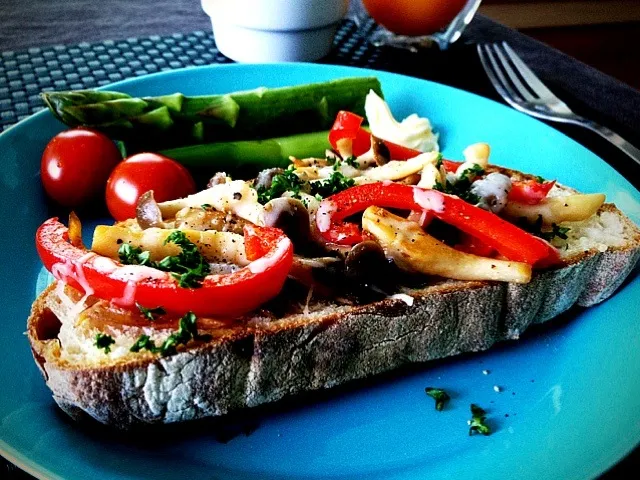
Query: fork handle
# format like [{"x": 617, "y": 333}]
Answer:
[{"x": 616, "y": 139}]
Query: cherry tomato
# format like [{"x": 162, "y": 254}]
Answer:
[
  {"x": 76, "y": 164},
  {"x": 139, "y": 174},
  {"x": 414, "y": 17}
]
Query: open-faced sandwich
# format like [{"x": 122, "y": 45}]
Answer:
[{"x": 377, "y": 253}]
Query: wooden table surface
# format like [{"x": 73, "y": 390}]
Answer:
[{"x": 31, "y": 23}]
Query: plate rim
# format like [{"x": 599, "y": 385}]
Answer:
[{"x": 35, "y": 469}]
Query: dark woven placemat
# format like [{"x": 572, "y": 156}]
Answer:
[{"x": 24, "y": 74}]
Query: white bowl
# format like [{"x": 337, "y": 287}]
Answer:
[{"x": 264, "y": 31}]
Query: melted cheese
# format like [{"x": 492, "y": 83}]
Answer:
[
  {"x": 128, "y": 295},
  {"x": 137, "y": 273},
  {"x": 70, "y": 270},
  {"x": 323, "y": 217}
]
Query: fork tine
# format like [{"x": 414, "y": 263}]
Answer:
[
  {"x": 496, "y": 76},
  {"x": 513, "y": 76},
  {"x": 531, "y": 78}
]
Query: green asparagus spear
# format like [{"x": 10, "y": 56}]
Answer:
[
  {"x": 154, "y": 123},
  {"x": 251, "y": 155}
]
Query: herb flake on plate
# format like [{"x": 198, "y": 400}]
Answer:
[
  {"x": 439, "y": 395},
  {"x": 477, "y": 424}
]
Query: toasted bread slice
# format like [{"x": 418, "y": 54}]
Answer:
[{"x": 262, "y": 359}]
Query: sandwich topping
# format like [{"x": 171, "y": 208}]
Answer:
[{"x": 379, "y": 213}]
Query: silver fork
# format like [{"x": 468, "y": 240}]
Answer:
[{"x": 524, "y": 91}]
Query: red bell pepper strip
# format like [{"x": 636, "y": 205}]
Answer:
[
  {"x": 530, "y": 192},
  {"x": 472, "y": 245},
  {"x": 227, "y": 295},
  {"x": 450, "y": 165},
  {"x": 349, "y": 126},
  {"x": 509, "y": 240}
]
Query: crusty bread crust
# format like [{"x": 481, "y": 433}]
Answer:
[{"x": 262, "y": 362}]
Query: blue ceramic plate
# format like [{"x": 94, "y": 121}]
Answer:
[{"x": 570, "y": 401}]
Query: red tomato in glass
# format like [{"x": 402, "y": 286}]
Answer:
[
  {"x": 414, "y": 17},
  {"x": 139, "y": 174},
  {"x": 76, "y": 164}
]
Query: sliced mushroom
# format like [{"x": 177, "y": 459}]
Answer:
[
  {"x": 380, "y": 151},
  {"x": 308, "y": 162},
  {"x": 492, "y": 191},
  {"x": 570, "y": 208},
  {"x": 365, "y": 261},
  {"x": 412, "y": 179},
  {"x": 205, "y": 218},
  {"x": 148, "y": 212},
  {"x": 265, "y": 177},
  {"x": 414, "y": 250},
  {"x": 291, "y": 216},
  {"x": 217, "y": 179},
  {"x": 368, "y": 274},
  {"x": 307, "y": 271}
]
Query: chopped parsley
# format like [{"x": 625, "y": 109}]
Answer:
[
  {"x": 206, "y": 206},
  {"x": 149, "y": 313},
  {"x": 439, "y": 395},
  {"x": 104, "y": 342},
  {"x": 144, "y": 343},
  {"x": 477, "y": 424},
  {"x": 539, "y": 179},
  {"x": 187, "y": 331},
  {"x": 462, "y": 186},
  {"x": 331, "y": 160},
  {"x": 535, "y": 228},
  {"x": 288, "y": 181},
  {"x": 189, "y": 267},
  {"x": 133, "y": 255},
  {"x": 337, "y": 182},
  {"x": 352, "y": 162},
  {"x": 474, "y": 170},
  {"x": 556, "y": 231}
]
